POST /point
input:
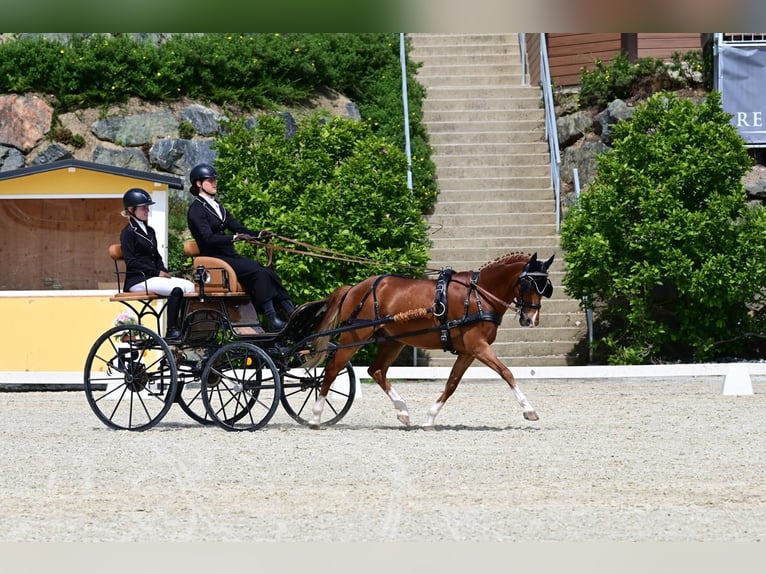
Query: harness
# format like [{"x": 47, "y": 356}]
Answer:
[{"x": 440, "y": 306}]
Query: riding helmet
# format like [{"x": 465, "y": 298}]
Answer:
[
  {"x": 136, "y": 197},
  {"x": 200, "y": 172}
]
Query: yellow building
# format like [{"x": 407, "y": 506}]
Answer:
[{"x": 56, "y": 223}]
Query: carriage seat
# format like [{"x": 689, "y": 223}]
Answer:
[
  {"x": 115, "y": 252},
  {"x": 223, "y": 278}
]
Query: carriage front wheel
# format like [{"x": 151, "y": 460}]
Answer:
[
  {"x": 130, "y": 378},
  {"x": 241, "y": 387}
]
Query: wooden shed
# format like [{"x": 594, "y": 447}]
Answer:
[
  {"x": 56, "y": 222},
  {"x": 568, "y": 53}
]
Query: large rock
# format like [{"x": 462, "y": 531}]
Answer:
[
  {"x": 24, "y": 121},
  {"x": 138, "y": 129},
  {"x": 129, "y": 158},
  {"x": 10, "y": 158},
  {"x": 178, "y": 156}
]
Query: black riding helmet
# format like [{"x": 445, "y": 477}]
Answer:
[
  {"x": 198, "y": 173},
  {"x": 136, "y": 197}
]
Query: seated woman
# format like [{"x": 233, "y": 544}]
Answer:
[
  {"x": 209, "y": 222},
  {"x": 144, "y": 267}
]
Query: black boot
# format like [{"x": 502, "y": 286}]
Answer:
[
  {"x": 273, "y": 323},
  {"x": 287, "y": 307},
  {"x": 173, "y": 334}
]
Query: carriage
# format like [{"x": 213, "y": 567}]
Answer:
[{"x": 227, "y": 371}]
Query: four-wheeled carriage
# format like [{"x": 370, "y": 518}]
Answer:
[{"x": 225, "y": 370}]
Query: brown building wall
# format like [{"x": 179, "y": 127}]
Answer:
[{"x": 568, "y": 53}]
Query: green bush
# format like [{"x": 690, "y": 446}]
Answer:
[
  {"x": 663, "y": 243},
  {"x": 621, "y": 78},
  {"x": 334, "y": 184}
]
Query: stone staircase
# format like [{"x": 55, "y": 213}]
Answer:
[{"x": 487, "y": 131}]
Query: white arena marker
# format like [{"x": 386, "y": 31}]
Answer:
[{"x": 737, "y": 381}]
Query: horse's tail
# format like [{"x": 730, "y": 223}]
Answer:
[{"x": 330, "y": 320}]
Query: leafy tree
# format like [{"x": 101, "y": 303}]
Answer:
[{"x": 663, "y": 243}]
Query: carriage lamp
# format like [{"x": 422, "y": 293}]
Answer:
[{"x": 201, "y": 276}]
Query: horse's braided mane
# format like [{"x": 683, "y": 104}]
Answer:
[{"x": 510, "y": 257}]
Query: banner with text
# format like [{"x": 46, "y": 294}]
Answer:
[{"x": 741, "y": 72}]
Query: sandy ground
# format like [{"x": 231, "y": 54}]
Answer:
[{"x": 609, "y": 460}]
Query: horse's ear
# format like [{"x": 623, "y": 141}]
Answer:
[
  {"x": 533, "y": 258},
  {"x": 549, "y": 262}
]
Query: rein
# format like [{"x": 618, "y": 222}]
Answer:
[{"x": 321, "y": 252}]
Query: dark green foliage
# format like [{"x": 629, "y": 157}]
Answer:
[
  {"x": 336, "y": 185},
  {"x": 663, "y": 242},
  {"x": 622, "y": 79}
]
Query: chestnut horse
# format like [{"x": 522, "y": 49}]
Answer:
[{"x": 458, "y": 312}]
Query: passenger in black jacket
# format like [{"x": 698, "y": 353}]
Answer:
[
  {"x": 144, "y": 268},
  {"x": 209, "y": 222}
]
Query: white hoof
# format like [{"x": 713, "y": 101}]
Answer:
[{"x": 404, "y": 418}]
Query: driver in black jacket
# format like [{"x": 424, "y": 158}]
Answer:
[{"x": 209, "y": 222}]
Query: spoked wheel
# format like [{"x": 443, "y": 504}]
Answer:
[
  {"x": 300, "y": 390},
  {"x": 130, "y": 378},
  {"x": 189, "y": 393},
  {"x": 241, "y": 387}
]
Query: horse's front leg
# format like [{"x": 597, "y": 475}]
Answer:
[
  {"x": 489, "y": 358},
  {"x": 387, "y": 352},
  {"x": 456, "y": 374}
]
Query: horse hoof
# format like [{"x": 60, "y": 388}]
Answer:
[
  {"x": 404, "y": 418},
  {"x": 531, "y": 416},
  {"x": 314, "y": 426}
]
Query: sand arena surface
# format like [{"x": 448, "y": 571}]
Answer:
[{"x": 609, "y": 460}]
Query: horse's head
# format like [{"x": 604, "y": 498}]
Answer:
[{"x": 533, "y": 285}]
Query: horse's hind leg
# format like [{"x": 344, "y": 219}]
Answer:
[
  {"x": 333, "y": 367},
  {"x": 387, "y": 353},
  {"x": 489, "y": 358},
  {"x": 456, "y": 374}
]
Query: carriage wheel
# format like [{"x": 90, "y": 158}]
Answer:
[
  {"x": 300, "y": 390},
  {"x": 241, "y": 387},
  {"x": 130, "y": 378},
  {"x": 189, "y": 393}
]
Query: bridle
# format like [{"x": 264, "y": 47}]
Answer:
[{"x": 526, "y": 281}]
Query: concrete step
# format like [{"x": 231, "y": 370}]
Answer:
[
  {"x": 469, "y": 136},
  {"x": 431, "y": 52},
  {"x": 474, "y": 59},
  {"x": 513, "y": 352},
  {"x": 462, "y": 183},
  {"x": 462, "y": 104},
  {"x": 467, "y": 92},
  {"x": 466, "y": 257},
  {"x": 484, "y": 115},
  {"x": 502, "y": 171},
  {"x": 492, "y": 160},
  {"x": 498, "y": 194},
  {"x": 442, "y": 233},
  {"x": 489, "y": 220},
  {"x": 465, "y": 42},
  {"x": 510, "y": 206},
  {"x": 473, "y": 126},
  {"x": 484, "y": 148},
  {"x": 454, "y": 78}
]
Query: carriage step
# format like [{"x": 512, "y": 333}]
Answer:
[{"x": 248, "y": 330}]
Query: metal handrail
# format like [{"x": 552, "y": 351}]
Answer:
[{"x": 551, "y": 133}]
